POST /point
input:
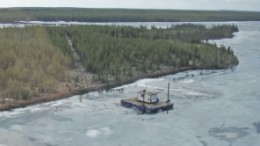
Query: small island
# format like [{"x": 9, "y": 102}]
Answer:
[{"x": 45, "y": 63}]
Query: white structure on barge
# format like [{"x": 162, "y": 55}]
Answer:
[{"x": 147, "y": 96}]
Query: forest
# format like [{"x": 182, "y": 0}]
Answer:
[
  {"x": 36, "y": 60},
  {"x": 10, "y": 15},
  {"x": 114, "y": 52},
  {"x": 30, "y": 64}
]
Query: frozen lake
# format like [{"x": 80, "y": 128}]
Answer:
[{"x": 211, "y": 108}]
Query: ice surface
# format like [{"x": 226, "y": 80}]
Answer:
[{"x": 211, "y": 108}]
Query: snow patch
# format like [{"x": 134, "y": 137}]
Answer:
[
  {"x": 144, "y": 82},
  {"x": 189, "y": 81},
  {"x": 16, "y": 127},
  {"x": 94, "y": 133}
]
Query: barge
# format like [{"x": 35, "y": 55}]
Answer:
[{"x": 148, "y": 102}]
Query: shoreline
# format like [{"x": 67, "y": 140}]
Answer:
[{"x": 58, "y": 96}]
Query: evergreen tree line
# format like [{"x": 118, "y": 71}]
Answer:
[
  {"x": 117, "y": 52},
  {"x": 30, "y": 63}
]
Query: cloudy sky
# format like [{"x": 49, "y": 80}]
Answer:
[{"x": 248, "y": 5}]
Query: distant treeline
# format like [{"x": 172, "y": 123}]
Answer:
[{"x": 122, "y": 15}]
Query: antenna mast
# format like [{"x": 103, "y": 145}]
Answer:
[{"x": 168, "y": 95}]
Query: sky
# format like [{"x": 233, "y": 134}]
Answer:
[{"x": 245, "y": 5}]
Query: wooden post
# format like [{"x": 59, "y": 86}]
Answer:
[
  {"x": 168, "y": 95},
  {"x": 143, "y": 101}
]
